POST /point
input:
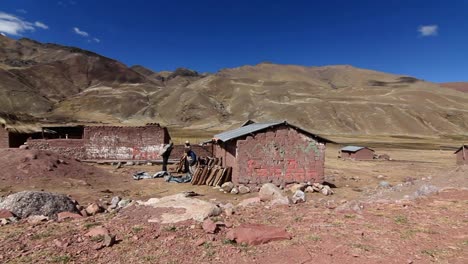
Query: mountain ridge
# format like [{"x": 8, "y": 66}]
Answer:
[{"x": 65, "y": 83}]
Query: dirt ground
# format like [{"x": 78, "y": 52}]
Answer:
[{"x": 386, "y": 227}]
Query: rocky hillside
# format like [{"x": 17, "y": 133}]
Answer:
[
  {"x": 459, "y": 86},
  {"x": 64, "y": 83}
]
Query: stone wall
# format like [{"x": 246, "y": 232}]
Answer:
[
  {"x": 280, "y": 155},
  {"x": 68, "y": 147}
]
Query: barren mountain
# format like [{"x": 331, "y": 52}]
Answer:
[
  {"x": 65, "y": 83},
  {"x": 459, "y": 86}
]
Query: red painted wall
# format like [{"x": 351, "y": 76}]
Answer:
[
  {"x": 110, "y": 143},
  {"x": 125, "y": 143},
  {"x": 3, "y": 137},
  {"x": 280, "y": 155}
]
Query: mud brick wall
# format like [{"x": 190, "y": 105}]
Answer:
[
  {"x": 3, "y": 137},
  {"x": 200, "y": 151},
  {"x": 125, "y": 143},
  {"x": 280, "y": 155},
  {"x": 363, "y": 154},
  {"x": 73, "y": 148}
]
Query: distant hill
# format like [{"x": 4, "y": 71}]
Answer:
[
  {"x": 459, "y": 86},
  {"x": 65, "y": 84}
]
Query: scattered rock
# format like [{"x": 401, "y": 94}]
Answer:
[
  {"x": 94, "y": 209},
  {"x": 326, "y": 190},
  {"x": 109, "y": 240},
  {"x": 200, "y": 242},
  {"x": 27, "y": 203},
  {"x": 115, "y": 202},
  {"x": 97, "y": 231},
  {"x": 234, "y": 190},
  {"x": 35, "y": 219},
  {"x": 309, "y": 189},
  {"x": 384, "y": 184},
  {"x": 256, "y": 234},
  {"x": 129, "y": 163},
  {"x": 298, "y": 197},
  {"x": 243, "y": 189},
  {"x": 381, "y": 177},
  {"x": 67, "y": 215},
  {"x": 250, "y": 202},
  {"x": 5, "y": 213},
  {"x": 426, "y": 190},
  {"x": 227, "y": 186},
  {"x": 297, "y": 187},
  {"x": 125, "y": 202},
  {"x": 209, "y": 226}
]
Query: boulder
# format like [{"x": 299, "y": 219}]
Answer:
[
  {"x": 256, "y": 234},
  {"x": 194, "y": 209},
  {"x": 94, "y": 209},
  {"x": 243, "y": 189},
  {"x": 227, "y": 186},
  {"x": 28, "y": 203},
  {"x": 298, "y": 197},
  {"x": 35, "y": 219},
  {"x": 309, "y": 189},
  {"x": 270, "y": 192}
]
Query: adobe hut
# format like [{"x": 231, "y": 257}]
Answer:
[
  {"x": 462, "y": 155},
  {"x": 276, "y": 152},
  {"x": 113, "y": 143},
  {"x": 356, "y": 153}
]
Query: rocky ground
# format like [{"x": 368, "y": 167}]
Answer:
[{"x": 412, "y": 209}]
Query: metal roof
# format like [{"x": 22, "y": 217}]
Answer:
[
  {"x": 353, "y": 148},
  {"x": 462, "y": 147},
  {"x": 255, "y": 127}
]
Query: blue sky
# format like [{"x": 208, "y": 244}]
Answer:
[{"x": 426, "y": 39}]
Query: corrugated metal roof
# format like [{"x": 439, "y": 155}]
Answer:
[
  {"x": 352, "y": 148},
  {"x": 462, "y": 147},
  {"x": 245, "y": 130},
  {"x": 255, "y": 127}
]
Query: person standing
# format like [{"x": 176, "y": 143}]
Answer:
[
  {"x": 166, "y": 153},
  {"x": 190, "y": 161}
]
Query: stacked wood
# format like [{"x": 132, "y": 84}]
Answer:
[{"x": 211, "y": 173}]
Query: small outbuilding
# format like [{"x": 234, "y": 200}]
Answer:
[
  {"x": 462, "y": 155},
  {"x": 356, "y": 153},
  {"x": 276, "y": 152}
]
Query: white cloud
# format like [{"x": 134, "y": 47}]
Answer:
[
  {"x": 13, "y": 25},
  {"x": 428, "y": 30},
  {"x": 81, "y": 33},
  {"x": 41, "y": 25},
  {"x": 22, "y": 11},
  {"x": 85, "y": 34}
]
